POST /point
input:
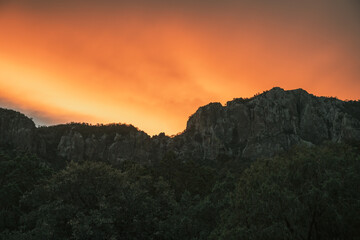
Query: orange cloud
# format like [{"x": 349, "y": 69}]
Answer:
[{"x": 154, "y": 68}]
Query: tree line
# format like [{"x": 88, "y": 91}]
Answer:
[{"x": 307, "y": 193}]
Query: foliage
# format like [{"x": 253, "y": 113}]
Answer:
[
  {"x": 94, "y": 201},
  {"x": 352, "y": 108},
  {"x": 19, "y": 173},
  {"x": 312, "y": 193},
  {"x": 185, "y": 175},
  {"x": 195, "y": 217},
  {"x": 87, "y": 129},
  {"x": 308, "y": 193}
]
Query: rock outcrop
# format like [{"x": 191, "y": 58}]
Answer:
[
  {"x": 17, "y": 130},
  {"x": 261, "y": 126},
  {"x": 268, "y": 124},
  {"x": 110, "y": 143}
]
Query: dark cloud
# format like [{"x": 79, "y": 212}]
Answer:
[
  {"x": 274, "y": 5},
  {"x": 333, "y": 13},
  {"x": 43, "y": 117},
  {"x": 39, "y": 117}
]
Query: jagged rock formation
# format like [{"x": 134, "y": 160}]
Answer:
[
  {"x": 269, "y": 123},
  {"x": 245, "y": 128},
  {"x": 78, "y": 142}
]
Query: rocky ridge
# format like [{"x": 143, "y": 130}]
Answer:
[{"x": 261, "y": 126}]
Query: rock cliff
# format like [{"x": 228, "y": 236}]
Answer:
[
  {"x": 16, "y": 130},
  {"x": 270, "y": 123},
  {"x": 244, "y": 128}
]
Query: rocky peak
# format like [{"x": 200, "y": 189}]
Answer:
[
  {"x": 205, "y": 116},
  {"x": 250, "y": 128},
  {"x": 268, "y": 123}
]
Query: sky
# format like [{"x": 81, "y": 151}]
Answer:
[{"x": 153, "y": 63}]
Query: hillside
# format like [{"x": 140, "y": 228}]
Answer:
[
  {"x": 234, "y": 173},
  {"x": 260, "y": 126}
]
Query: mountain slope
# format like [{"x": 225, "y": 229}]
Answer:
[
  {"x": 243, "y": 129},
  {"x": 269, "y": 123}
]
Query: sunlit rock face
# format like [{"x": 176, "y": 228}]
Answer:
[
  {"x": 268, "y": 124},
  {"x": 261, "y": 126}
]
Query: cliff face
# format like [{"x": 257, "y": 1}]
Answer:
[
  {"x": 17, "y": 130},
  {"x": 269, "y": 123},
  {"x": 245, "y": 128},
  {"x": 78, "y": 142}
]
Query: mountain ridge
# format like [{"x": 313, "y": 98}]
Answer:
[{"x": 244, "y": 128}]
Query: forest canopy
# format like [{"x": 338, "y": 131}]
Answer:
[{"x": 307, "y": 193}]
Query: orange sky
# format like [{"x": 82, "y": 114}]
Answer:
[{"x": 153, "y": 65}]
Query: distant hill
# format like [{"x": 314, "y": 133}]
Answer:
[{"x": 261, "y": 126}]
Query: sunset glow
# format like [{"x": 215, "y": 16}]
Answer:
[{"x": 153, "y": 66}]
